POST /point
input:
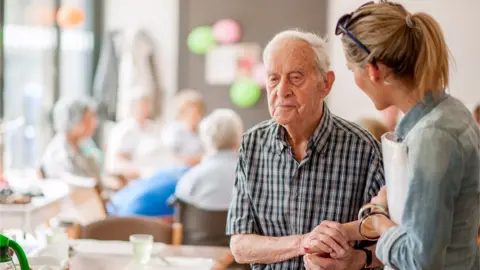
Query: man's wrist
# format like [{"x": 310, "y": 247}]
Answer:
[{"x": 300, "y": 245}]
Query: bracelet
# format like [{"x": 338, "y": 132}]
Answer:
[
  {"x": 372, "y": 206},
  {"x": 362, "y": 221}
]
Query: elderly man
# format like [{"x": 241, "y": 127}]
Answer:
[{"x": 304, "y": 172}]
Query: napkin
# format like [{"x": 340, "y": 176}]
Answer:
[{"x": 395, "y": 159}]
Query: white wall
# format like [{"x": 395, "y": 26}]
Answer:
[
  {"x": 458, "y": 20},
  {"x": 160, "y": 19}
]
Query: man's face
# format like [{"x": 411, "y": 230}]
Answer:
[
  {"x": 293, "y": 86},
  {"x": 143, "y": 108}
]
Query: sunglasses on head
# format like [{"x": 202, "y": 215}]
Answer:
[{"x": 342, "y": 28}]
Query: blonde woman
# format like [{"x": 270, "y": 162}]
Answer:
[
  {"x": 401, "y": 59},
  {"x": 181, "y": 136}
]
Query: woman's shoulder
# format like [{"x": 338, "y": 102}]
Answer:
[{"x": 452, "y": 119}]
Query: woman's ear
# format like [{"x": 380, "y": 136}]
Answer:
[{"x": 373, "y": 72}]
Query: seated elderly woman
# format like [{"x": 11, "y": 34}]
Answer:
[
  {"x": 181, "y": 136},
  {"x": 72, "y": 151},
  {"x": 209, "y": 185}
]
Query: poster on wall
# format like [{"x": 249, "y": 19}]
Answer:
[
  {"x": 226, "y": 63},
  {"x": 221, "y": 65}
]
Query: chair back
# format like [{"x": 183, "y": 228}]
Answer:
[
  {"x": 120, "y": 229},
  {"x": 201, "y": 227}
]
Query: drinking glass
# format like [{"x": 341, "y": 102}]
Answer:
[{"x": 142, "y": 245}]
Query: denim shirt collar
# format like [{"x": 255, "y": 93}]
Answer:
[{"x": 418, "y": 111}]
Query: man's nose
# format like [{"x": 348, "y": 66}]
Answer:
[{"x": 284, "y": 89}]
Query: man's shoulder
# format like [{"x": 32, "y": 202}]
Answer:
[
  {"x": 349, "y": 129},
  {"x": 261, "y": 131}
]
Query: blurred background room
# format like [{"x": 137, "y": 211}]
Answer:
[{"x": 105, "y": 105}]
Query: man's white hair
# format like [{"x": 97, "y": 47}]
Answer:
[
  {"x": 222, "y": 129},
  {"x": 318, "y": 44}
]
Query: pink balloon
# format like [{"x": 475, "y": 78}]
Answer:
[
  {"x": 226, "y": 31},
  {"x": 259, "y": 74}
]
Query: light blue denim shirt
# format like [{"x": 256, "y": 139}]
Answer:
[{"x": 441, "y": 215}]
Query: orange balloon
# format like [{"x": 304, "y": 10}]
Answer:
[{"x": 70, "y": 16}]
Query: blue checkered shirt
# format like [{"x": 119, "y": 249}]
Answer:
[{"x": 275, "y": 195}]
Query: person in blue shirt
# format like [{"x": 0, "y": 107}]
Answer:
[
  {"x": 401, "y": 59},
  {"x": 147, "y": 196}
]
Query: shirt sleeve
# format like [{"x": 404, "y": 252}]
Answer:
[
  {"x": 122, "y": 141},
  {"x": 186, "y": 186},
  {"x": 375, "y": 175},
  {"x": 240, "y": 218},
  {"x": 435, "y": 170}
]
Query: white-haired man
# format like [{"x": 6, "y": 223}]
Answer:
[
  {"x": 134, "y": 139},
  {"x": 305, "y": 171}
]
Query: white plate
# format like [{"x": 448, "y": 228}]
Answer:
[
  {"x": 176, "y": 263},
  {"x": 108, "y": 247},
  {"x": 45, "y": 263}
]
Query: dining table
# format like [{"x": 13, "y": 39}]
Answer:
[
  {"x": 28, "y": 216},
  {"x": 221, "y": 257}
]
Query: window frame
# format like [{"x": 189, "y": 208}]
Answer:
[{"x": 94, "y": 23}]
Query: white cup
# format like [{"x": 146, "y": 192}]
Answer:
[
  {"x": 57, "y": 243},
  {"x": 142, "y": 245}
]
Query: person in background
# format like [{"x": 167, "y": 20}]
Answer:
[
  {"x": 133, "y": 139},
  {"x": 72, "y": 150},
  {"x": 181, "y": 136},
  {"x": 377, "y": 128},
  {"x": 476, "y": 114},
  {"x": 148, "y": 196},
  {"x": 209, "y": 184},
  {"x": 401, "y": 59}
]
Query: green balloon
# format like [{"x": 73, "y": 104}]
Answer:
[
  {"x": 201, "y": 40},
  {"x": 245, "y": 92}
]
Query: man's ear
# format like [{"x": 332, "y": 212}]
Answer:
[{"x": 326, "y": 85}]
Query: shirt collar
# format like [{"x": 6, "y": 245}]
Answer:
[
  {"x": 418, "y": 111},
  {"x": 318, "y": 140}
]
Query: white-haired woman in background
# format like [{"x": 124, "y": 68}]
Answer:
[
  {"x": 209, "y": 185},
  {"x": 72, "y": 150}
]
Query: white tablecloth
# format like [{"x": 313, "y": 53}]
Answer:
[{"x": 39, "y": 210}]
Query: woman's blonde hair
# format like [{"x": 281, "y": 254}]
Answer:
[
  {"x": 411, "y": 45},
  {"x": 186, "y": 99}
]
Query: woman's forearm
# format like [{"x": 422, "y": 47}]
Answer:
[
  {"x": 381, "y": 224},
  {"x": 251, "y": 248}
]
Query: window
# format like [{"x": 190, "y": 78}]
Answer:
[
  {"x": 43, "y": 59},
  {"x": 76, "y": 59},
  {"x": 29, "y": 53}
]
